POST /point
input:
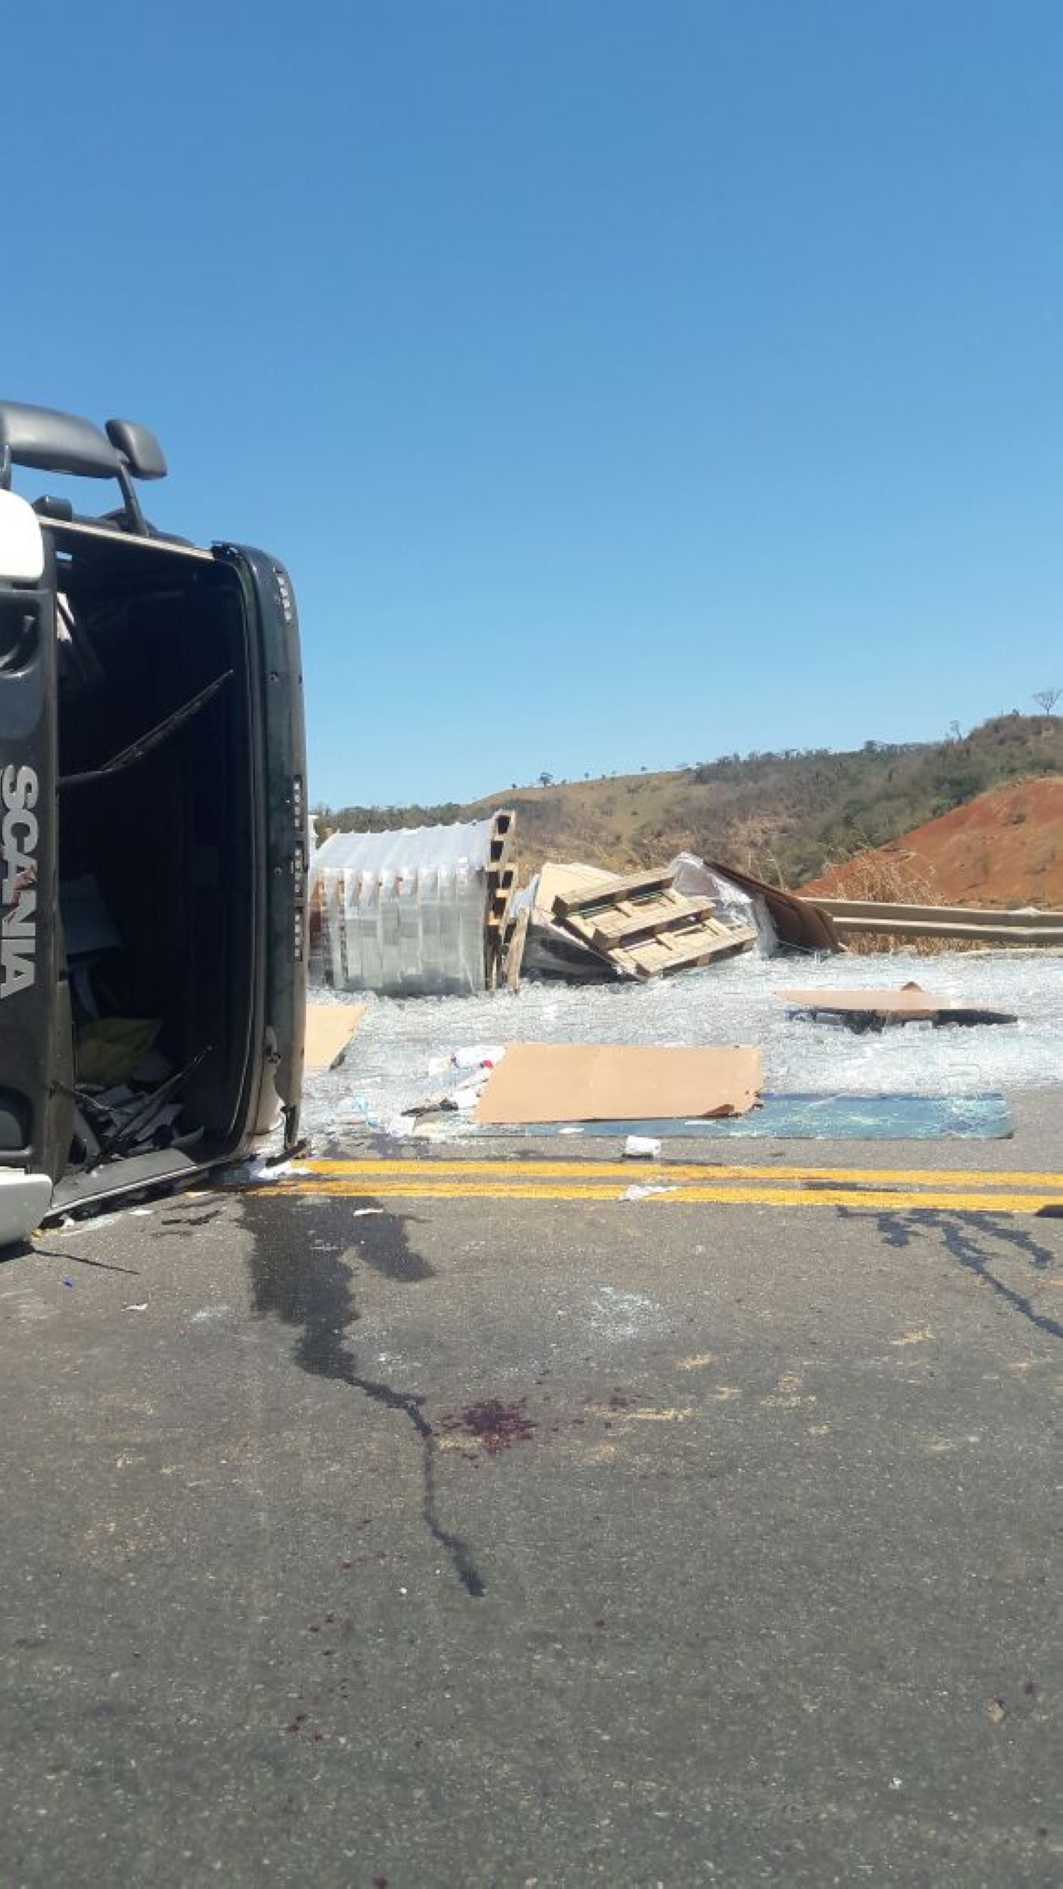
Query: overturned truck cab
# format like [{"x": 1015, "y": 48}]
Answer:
[{"x": 153, "y": 845}]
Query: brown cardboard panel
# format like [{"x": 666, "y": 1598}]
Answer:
[
  {"x": 909, "y": 1004},
  {"x": 578, "y": 1082},
  {"x": 329, "y": 1029},
  {"x": 909, "y": 1001}
]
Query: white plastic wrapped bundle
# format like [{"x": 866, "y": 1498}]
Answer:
[
  {"x": 733, "y": 906},
  {"x": 404, "y": 913}
]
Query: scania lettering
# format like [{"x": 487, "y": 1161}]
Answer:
[{"x": 18, "y": 842}]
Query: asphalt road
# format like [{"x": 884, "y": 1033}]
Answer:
[{"x": 548, "y": 1542}]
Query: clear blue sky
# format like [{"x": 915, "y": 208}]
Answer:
[{"x": 622, "y": 383}]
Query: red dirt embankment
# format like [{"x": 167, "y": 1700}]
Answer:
[{"x": 1003, "y": 849}]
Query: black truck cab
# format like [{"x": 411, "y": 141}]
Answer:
[{"x": 153, "y": 846}]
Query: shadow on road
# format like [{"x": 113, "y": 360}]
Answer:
[{"x": 976, "y": 1241}]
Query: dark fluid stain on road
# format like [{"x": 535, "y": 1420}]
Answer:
[
  {"x": 497, "y": 1426},
  {"x": 964, "y": 1237},
  {"x": 314, "y": 1290},
  {"x": 383, "y": 1245}
]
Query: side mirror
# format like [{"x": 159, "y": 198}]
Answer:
[{"x": 139, "y": 447}]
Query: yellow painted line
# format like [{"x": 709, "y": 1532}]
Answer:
[
  {"x": 864, "y": 1200},
  {"x": 682, "y": 1171}
]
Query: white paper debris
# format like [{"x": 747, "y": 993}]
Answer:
[
  {"x": 257, "y": 1170},
  {"x": 479, "y": 1056},
  {"x": 642, "y": 1148},
  {"x": 643, "y": 1193}
]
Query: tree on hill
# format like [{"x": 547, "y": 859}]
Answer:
[{"x": 1046, "y": 699}]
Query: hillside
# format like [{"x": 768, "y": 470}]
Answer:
[
  {"x": 785, "y": 816},
  {"x": 1004, "y": 848}
]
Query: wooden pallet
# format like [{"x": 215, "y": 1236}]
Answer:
[
  {"x": 683, "y": 949},
  {"x": 583, "y": 899},
  {"x": 501, "y": 884},
  {"x": 643, "y": 927},
  {"x": 630, "y": 919},
  {"x": 517, "y": 939},
  {"x": 503, "y": 828},
  {"x": 499, "y": 893}
]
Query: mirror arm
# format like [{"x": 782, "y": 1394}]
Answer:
[{"x": 132, "y": 503}]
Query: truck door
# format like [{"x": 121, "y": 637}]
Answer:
[{"x": 283, "y": 821}]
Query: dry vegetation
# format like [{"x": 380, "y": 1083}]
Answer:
[
  {"x": 896, "y": 878},
  {"x": 782, "y": 816}
]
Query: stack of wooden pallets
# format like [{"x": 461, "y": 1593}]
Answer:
[
  {"x": 642, "y": 927},
  {"x": 501, "y": 885}
]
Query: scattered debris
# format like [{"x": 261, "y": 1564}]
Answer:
[
  {"x": 478, "y": 1056},
  {"x": 642, "y": 1148},
  {"x": 87, "y": 1222},
  {"x": 259, "y": 1168},
  {"x": 643, "y": 1193}
]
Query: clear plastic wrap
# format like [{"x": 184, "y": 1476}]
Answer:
[{"x": 403, "y": 912}]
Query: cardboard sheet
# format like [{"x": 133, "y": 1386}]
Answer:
[
  {"x": 329, "y": 1029},
  {"x": 577, "y": 1082},
  {"x": 909, "y": 1004},
  {"x": 909, "y": 1001}
]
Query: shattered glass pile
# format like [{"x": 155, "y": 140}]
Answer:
[{"x": 394, "y": 1061}]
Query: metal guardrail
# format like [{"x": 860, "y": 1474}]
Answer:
[{"x": 943, "y": 921}]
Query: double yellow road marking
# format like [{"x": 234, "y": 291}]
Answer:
[{"x": 870, "y": 1190}]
